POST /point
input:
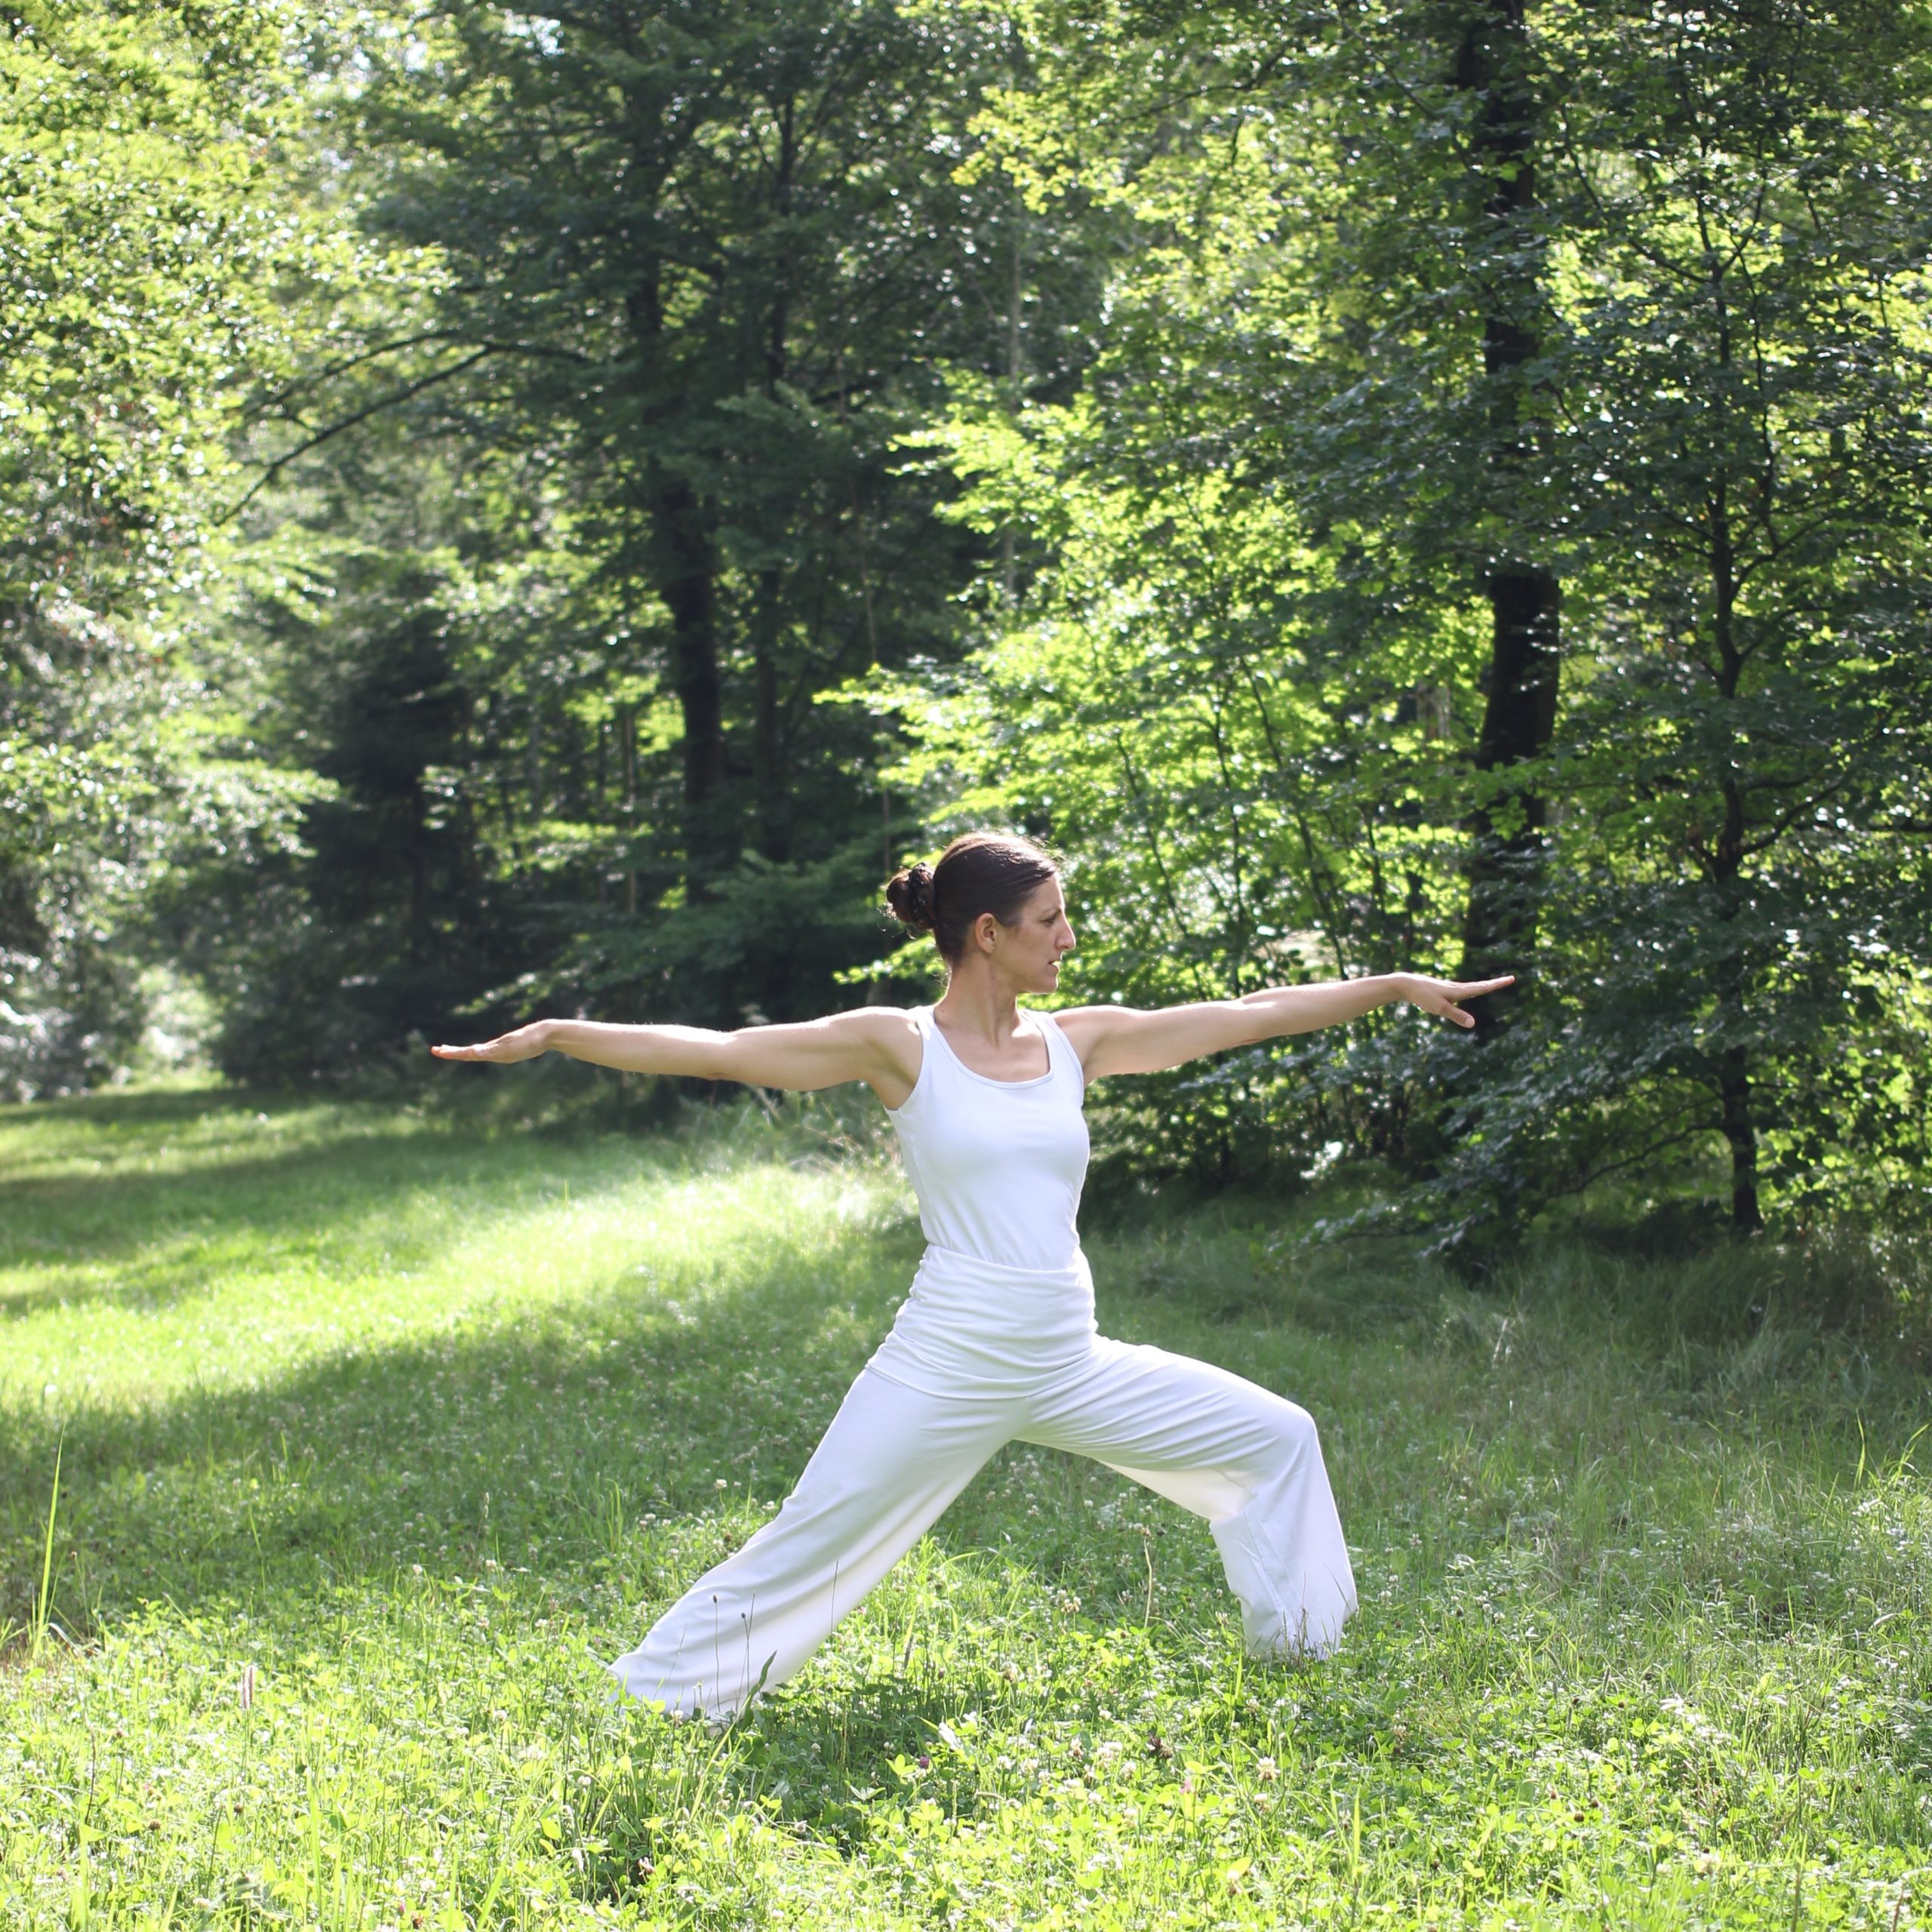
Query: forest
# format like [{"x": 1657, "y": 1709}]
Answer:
[
  {"x": 523, "y": 511},
  {"x": 508, "y": 512}
]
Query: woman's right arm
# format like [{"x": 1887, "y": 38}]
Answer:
[{"x": 878, "y": 1044}]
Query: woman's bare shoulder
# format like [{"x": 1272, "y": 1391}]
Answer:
[
  {"x": 1083, "y": 1023},
  {"x": 876, "y": 1022},
  {"x": 889, "y": 1038}
]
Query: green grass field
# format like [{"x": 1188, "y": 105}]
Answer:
[{"x": 418, "y": 1416}]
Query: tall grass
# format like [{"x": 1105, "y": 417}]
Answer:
[{"x": 381, "y": 1427}]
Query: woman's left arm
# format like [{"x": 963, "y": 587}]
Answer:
[{"x": 1116, "y": 1039}]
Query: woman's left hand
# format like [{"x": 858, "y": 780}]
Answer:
[
  {"x": 1440, "y": 997},
  {"x": 525, "y": 1043}
]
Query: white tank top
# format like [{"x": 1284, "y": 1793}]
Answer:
[{"x": 997, "y": 1165}]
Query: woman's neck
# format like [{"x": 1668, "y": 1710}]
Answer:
[{"x": 976, "y": 1003}]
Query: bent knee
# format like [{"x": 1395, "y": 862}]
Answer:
[{"x": 1296, "y": 1438}]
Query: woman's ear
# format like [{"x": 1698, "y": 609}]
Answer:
[{"x": 985, "y": 929}]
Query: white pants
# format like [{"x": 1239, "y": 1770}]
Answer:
[{"x": 981, "y": 1356}]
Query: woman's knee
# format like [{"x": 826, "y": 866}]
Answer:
[{"x": 1296, "y": 1437}]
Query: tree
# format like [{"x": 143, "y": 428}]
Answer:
[
  {"x": 1508, "y": 248},
  {"x": 1302, "y": 432},
  {"x": 139, "y": 240},
  {"x": 705, "y": 257},
  {"x": 1750, "y": 459}
]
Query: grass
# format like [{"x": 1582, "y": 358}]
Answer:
[{"x": 377, "y": 1430}]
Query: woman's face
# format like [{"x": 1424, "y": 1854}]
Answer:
[{"x": 1030, "y": 950}]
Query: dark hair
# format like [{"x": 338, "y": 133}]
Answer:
[{"x": 980, "y": 872}]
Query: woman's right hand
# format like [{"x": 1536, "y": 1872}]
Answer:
[{"x": 525, "y": 1043}]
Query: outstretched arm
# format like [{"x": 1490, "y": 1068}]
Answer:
[
  {"x": 873, "y": 1044},
  {"x": 1112, "y": 1039}
]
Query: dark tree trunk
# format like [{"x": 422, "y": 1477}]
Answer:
[
  {"x": 768, "y": 772},
  {"x": 688, "y": 585},
  {"x": 1732, "y": 1067},
  {"x": 1504, "y": 867},
  {"x": 421, "y": 947},
  {"x": 1739, "y": 1130},
  {"x": 628, "y": 744},
  {"x": 683, "y": 567},
  {"x": 22, "y": 929},
  {"x": 533, "y": 757},
  {"x": 1726, "y": 864},
  {"x": 1505, "y": 863}
]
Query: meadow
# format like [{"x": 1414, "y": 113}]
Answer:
[{"x": 379, "y": 1425}]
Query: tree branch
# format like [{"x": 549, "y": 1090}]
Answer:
[
  {"x": 349, "y": 362},
  {"x": 483, "y": 350},
  {"x": 348, "y": 421}
]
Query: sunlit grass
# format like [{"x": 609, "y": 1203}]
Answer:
[{"x": 421, "y": 1416}]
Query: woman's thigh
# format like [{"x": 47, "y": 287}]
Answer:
[
  {"x": 1196, "y": 1434},
  {"x": 889, "y": 1445}
]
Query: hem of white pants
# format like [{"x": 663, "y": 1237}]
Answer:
[
  {"x": 716, "y": 1715},
  {"x": 1286, "y": 1647}
]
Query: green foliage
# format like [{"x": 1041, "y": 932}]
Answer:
[
  {"x": 612, "y": 432},
  {"x": 142, "y": 241},
  {"x": 563, "y": 503},
  {"x": 403, "y": 1420},
  {"x": 1242, "y": 689}
]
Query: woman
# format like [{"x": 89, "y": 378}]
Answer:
[{"x": 996, "y": 1339}]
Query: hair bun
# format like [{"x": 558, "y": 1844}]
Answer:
[{"x": 909, "y": 897}]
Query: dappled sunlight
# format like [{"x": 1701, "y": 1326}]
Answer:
[{"x": 226, "y": 1273}]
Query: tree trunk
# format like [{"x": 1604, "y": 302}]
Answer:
[
  {"x": 629, "y": 742},
  {"x": 1726, "y": 864},
  {"x": 768, "y": 774},
  {"x": 682, "y": 555},
  {"x": 22, "y": 929},
  {"x": 533, "y": 756},
  {"x": 1733, "y": 1064},
  {"x": 1009, "y": 556},
  {"x": 689, "y": 587},
  {"x": 420, "y": 938},
  {"x": 1735, "y": 1098},
  {"x": 1504, "y": 867}
]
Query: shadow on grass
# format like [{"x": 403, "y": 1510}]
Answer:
[
  {"x": 572, "y": 1455},
  {"x": 599, "y": 1453},
  {"x": 540, "y": 1442},
  {"x": 148, "y": 1107},
  {"x": 602, "y": 1451}
]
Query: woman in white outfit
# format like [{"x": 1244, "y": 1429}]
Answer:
[{"x": 996, "y": 1339}]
